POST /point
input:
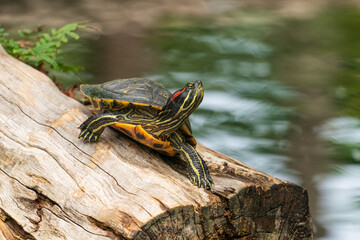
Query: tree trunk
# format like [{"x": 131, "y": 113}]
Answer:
[{"x": 54, "y": 186}]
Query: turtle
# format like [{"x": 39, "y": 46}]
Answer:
[{"x": 148, "y": 113}]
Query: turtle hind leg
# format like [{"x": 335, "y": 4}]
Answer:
[
  {"x": 93, "y": 127},
  {"x": 198, "y": 171}
]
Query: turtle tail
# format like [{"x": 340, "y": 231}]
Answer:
[{"x": 198, "y": 171}]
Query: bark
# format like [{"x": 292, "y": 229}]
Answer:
[{"x": 54, "y": 186}]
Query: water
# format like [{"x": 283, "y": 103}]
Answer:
[{"x": 282, "y": 87}]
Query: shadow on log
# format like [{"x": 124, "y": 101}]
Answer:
[{"x": 54, "y": 186}]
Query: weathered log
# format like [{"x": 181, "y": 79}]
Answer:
[{"x": 54, "y": 186}]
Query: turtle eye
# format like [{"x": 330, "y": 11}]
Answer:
[{"x": 191, "y": 85}]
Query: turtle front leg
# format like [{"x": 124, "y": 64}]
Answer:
[
  {"x": 93, "y": 127},
  {"x": 197, "y": 168}
]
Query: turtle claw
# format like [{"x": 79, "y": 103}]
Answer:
[
  {"x": 194, "y": 180},
  {"x": 201, "y": 182},
  {"x": 204, "y": 183},
  {"x": 87, "y": 130},
  {"x": 88, "y": 135}
]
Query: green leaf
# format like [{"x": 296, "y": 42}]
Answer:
[
  {"x": 74, "y": 35},
  {"x": 37, "y": 47},
  {"x": 52, "y": 62},
  {"x": 24, "y": 32}
]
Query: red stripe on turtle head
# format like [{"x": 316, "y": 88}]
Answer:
[{"x": 175, "y": 95}]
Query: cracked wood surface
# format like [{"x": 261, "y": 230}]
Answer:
[{"x": 54, "y": 186}]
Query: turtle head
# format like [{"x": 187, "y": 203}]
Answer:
[{"x": 184, "y": 101}]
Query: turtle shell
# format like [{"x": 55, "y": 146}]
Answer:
[{"x": 117, "y": 94}]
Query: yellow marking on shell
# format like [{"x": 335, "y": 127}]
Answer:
[
  {"x": 128, "y": 90},
  {"x": 148, "y": 140},
  {"x": 110, "y": 101},
  {"x": 147, "y": 105},
  {"x": 99, "y": 107},
  {"x": 156, "y": 107},
  {"x": 98, "y": 103},
  {"x": 124, "y": 103},
  {"x": 107, "y": 84},
  {"x": 141, "y": 104}
]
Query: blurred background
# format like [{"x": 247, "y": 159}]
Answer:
[{"x": 282, "y": 80}]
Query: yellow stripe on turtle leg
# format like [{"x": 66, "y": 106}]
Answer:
[
  {"x": 196, "y": 166},
  {"x": 193, "y": 171},
  {"x": 104, "y": 124},
  {"x": 203, "y": 168},
  {"x": 95, "y": 125}
]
